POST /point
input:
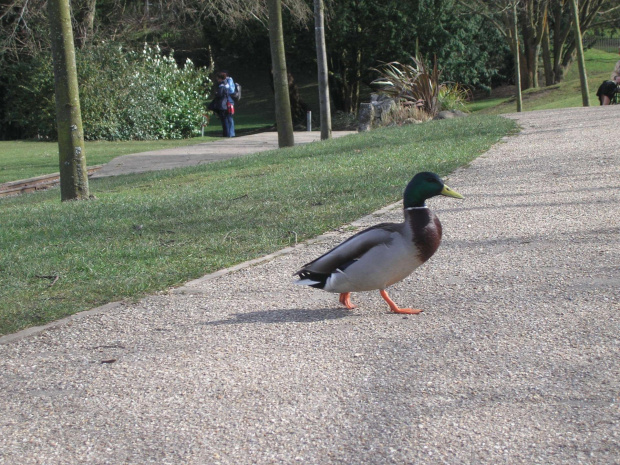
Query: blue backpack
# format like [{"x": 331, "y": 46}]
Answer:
[{"x": 236, "y": 94}]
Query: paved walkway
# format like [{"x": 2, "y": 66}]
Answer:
[
  {"x": 206, "y": 152},
  {"x": 516, "y": 359}
]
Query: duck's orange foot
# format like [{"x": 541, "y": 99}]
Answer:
[
  {"x": 407, "y": 311},
  {"x": 345, "y": 299},
  {"x": 395, "y": 308}
]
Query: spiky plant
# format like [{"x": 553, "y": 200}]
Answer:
[{"x": 414, "y": 83}]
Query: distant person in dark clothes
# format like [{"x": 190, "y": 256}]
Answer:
[{"x": 607, "y": 90}]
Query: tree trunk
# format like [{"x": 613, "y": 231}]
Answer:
[
  {"x": 585, "y": 97},
  {"x": 321, "y": 59},
  {"x": 516, "y": 54},
  {"x": 355, "y": 91},
  {"x": 560, "y": 33},
  {"x": 529, "y": 66},
  {"x": 73, "y": 173},
  {"x": 533, "y": 20},
  {"x": 84, "y": 14},
  {"x": 547, "y": 62},
  {"x": 284, "y": 121},
  {"x": 340, "y": 83}
]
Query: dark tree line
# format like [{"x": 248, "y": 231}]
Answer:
[{"x": 359, "y": 35}]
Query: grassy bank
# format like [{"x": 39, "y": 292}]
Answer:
[
  {"x": 27, "y": 159},
  {"x": 149, "y": 232}
]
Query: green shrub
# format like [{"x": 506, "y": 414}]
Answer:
[
  {"x": 29, "y": 98},
  {"x": 453, "y": 96},
  {"x": 124, "y": 95}
]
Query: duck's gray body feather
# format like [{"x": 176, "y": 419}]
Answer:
[{"x": 376, "y": 257}]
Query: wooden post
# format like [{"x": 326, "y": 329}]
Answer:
[
  {"x": 585, "y": 95},
  {"x": 517, "y": 52},
  {"x": 321, "y": 59}
]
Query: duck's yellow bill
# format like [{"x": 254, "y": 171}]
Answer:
[{"x": 450, "y": 193}]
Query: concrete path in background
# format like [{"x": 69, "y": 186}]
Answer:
[
  {"x": 206, "y": 152},
  {"x": 515, "y": 360}
]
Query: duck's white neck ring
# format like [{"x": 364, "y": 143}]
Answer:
[{"x": 416, "y": 208}]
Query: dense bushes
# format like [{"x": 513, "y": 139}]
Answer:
[{"x": 123, "y": 95}]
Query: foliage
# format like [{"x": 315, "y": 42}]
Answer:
[
  {"x": 342, "y": 121},
  {"x": 29, "y": 98},
  {"x": 362, "y": 34},
  {"x": 124, "y": 95},
  {"x": 358, "y": 35},
  {"x": 470, "y": 52},
  {"x": 454, "y": 96}
]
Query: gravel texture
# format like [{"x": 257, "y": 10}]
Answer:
[{"x": 515, "y": 359}]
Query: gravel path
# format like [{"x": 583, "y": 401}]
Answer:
[
  {"x": 207, "y": 152},
  {"x": 514, "y": 361}
]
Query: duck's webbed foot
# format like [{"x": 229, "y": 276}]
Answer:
[
  {"x": 345, "y": 299},
  {"x": 395, "y": 308}
]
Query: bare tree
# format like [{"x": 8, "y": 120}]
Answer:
[
  {"x": 561, "y": 43},
  {"x": 321, "y": 59},
  {"x": 532, "y": 16},
  {"x": 23, "y": 22},
  {"x": 84, "y": 16},
  {"x": 544, "y": 26},
  {"x": 23, "y": 28},
  {"x": 284, "y": 120},
  {"x": 72, "y": 159}
]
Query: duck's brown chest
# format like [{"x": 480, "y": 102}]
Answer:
[{"x": 426, "y": 231}]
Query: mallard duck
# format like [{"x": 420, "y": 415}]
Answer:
[{"x": 387, "y": 253}]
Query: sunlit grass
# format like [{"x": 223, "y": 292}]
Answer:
[{"x": 27, "y": 159}]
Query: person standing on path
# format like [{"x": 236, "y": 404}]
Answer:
[{"x": 223, "y": 103}]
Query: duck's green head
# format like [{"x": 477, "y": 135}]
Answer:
[{"x": 424, "y": 186}]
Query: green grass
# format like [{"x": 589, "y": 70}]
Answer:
[
  {"x": 201, "y": 219},
  {"x": 599, "y": 65},
  {"x": 27, "y": 159}
]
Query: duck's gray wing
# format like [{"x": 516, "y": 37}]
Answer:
[{"x": 352, "y": 249}]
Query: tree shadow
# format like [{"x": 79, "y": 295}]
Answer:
[{"x": 295, "y": 315}]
